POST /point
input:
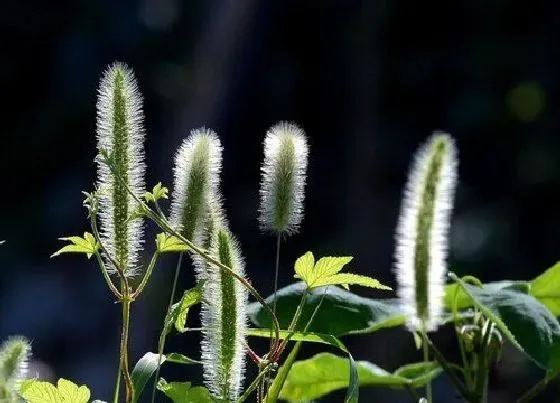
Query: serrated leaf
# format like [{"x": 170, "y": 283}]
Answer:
[
  {"x": 71, "y": 393},
  {"x": 325, "y": 373},
  {"x": 168, "y": 243},
  {"x": 304, "y": 265},
  {"x": 347, "y": 279},
  {"x": 546, "y": 288},
  {"x": 34, "y": 391},
  {"x": 190, "y": 298},
  {"x": 527, "y": 323},
  {"x": 143, "y": 371},
  {"x": 87, "y": 245},
  {"x": 184, "y": 392},
  {"x": 326, "y": 272}
]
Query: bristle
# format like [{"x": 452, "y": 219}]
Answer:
[
  {"x": 120, "y": 132},
  {"x": 422, "y": 232},
  {"x": 224, "y": 321},
  {"x": 14, "y": 359},
  {"x": 198, "y": 164},
  {"x": 283, "y": 179}
]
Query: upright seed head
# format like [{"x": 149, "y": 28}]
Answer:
[
  {"x": 14, "y": 358},
  {"x": 197, "y": 170},
  {"x": 120, "y": 134},
  {"x": 422, "y": 232},
  {"x": 283, "y": 179},
  {"x": 224, "y": 321}
]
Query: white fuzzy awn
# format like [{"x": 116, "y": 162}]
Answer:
[
  {"x": 120, "y": 132},
  {"x": 283, "y": 179},
  {"x": 421, "y": 249}
]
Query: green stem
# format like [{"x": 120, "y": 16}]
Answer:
[
  {"x": 465, "y": 394},
  {"x": 124, "y": 342},
  {"x": 147, "y": 276},
  {"x": 535, "y": 390},
  {"x": 427, "y": 360},
  {"x": 163, "y": 334},
  {"x": 112, "y": 286},
  {"x": 118, "y": 384},
  {"x": 292, "y": 326},
  {"x": 481, "y": 378},
  {"x": 274, "y": 391},
  {"x": 256, "y": 382}
]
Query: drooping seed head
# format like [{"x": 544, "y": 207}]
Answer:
[
  {"x": 120, "y": 134},
  {"x": 422, "y": 232},
  {"x": 224, "y": 321},
  {"x": 14, "y": 359},
  {"x": 197, "y": 170},
  {"x": 283, "y": 179}
]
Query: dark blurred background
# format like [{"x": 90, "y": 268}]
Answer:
[{"x": 368, "y": 81}]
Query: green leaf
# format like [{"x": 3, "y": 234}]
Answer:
[
  {"x": 143, "y": 371},
  {"x": 298, "y": 337},
  {"x": 158, "y": 192},
  {"x": 463, "y": 301},
  {"x": 325, "y": 272},
  {"x": 325, "y": 373},
  {"x": 180, "y": 359},
  {"x": 44, "y": 392},
  {"x": 169, "y": 243},
  {"x": 87, "y": 245},
  {"x": 190, "y": 298},
  {"x": 183, "y": 392},
  {"x": 546, "y": 288},
  {"x": 527, "y": 323},
  {"x": 71, "y": 393},
  {"x": 341, "y": 312},
  {"x": 346, "y": 279}
]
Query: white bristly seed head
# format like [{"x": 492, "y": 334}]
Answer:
[
  {"x": 283, "y": 179},
  {"x": 120, "y": 133},
  {"x": 198, "y": 164},
  {"x": 224, "y": 321},
  {"x": 14, "y": 360},
  {"x": 422, "y": 232}
]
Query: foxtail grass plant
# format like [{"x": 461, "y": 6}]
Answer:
[
  {"x": 422, "y": 234},
  {"x": 14, "y": 360},
  {"x": 318, "y": 309}
]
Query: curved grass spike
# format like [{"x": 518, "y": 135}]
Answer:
[
  {"x": 283, "y": 179},
  {"x": 224, "y": 321},
  {"x": 14, "y": 358},
  {"x": 198, "y": 164},
  {"x": 120, "y": 135},
  {"x": 422, "y": 231}
]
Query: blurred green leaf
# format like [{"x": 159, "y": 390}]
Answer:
[
  {"x": 168, "y": 243},
  {"x": 143, "y": 371},
  {"x": 527, "y": 323},
  {"x": 546, "y": 288},
  {"x": 184, "y": 392},
  {"x": 325, "y": 373}
]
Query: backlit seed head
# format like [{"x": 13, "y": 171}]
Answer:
[
  {"x": 422, "y": 232},
  {"x": 283, "y": 179},
  {"x": 120, "y": 135}
]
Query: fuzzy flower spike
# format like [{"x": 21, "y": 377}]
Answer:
[
  {"x": 224, "y": 321},
  {"x": 14, "y": 358},
  {"x": 422, "y": 232},
  {"x": 283, "y": 179},
  {"x": 120, "y": 134},
  {"x": 198, "y": 164}
]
